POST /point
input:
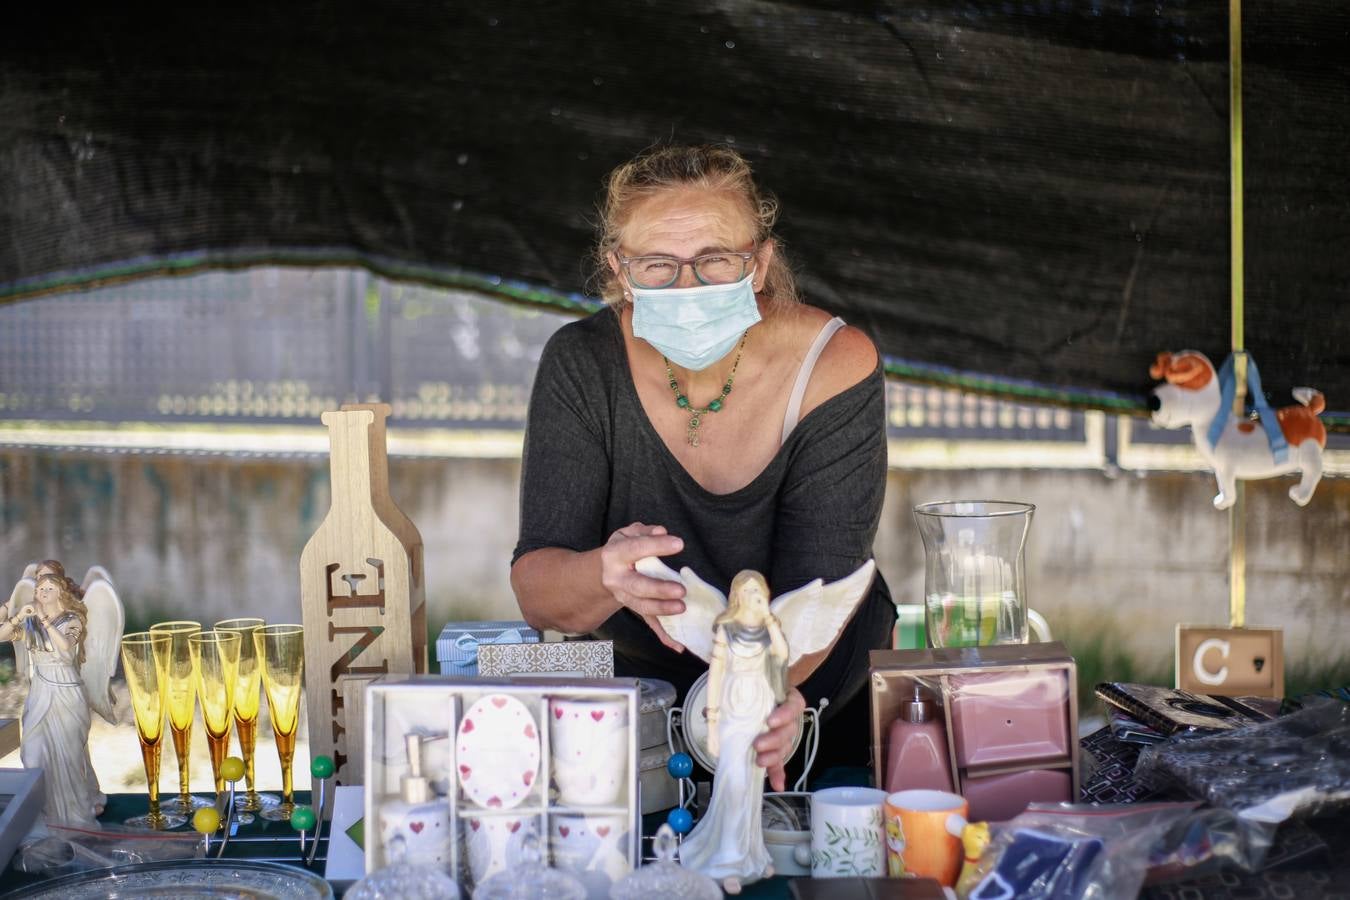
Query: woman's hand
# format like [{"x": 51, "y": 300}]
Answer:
[
  {"x": 648, "y": 597},
  {"x": 28, "y": 612},
  {"x": 773, "y": 746}
]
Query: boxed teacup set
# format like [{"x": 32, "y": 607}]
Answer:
[{"x": 461, "y": 771}]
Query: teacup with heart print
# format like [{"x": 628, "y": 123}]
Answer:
[
  {"x": 593, "y": 846},
  {"x": 493, "y": 843},
  {"x": 589, "y": 743}
]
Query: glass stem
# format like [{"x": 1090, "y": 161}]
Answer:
[
  {"x": 248, "y": 738},
  {"x": 218, "y": 746},
  {"x": 182, "y": 740},
  {"x": 286, "y": 752},
  {"x": 150, "y": 756}
]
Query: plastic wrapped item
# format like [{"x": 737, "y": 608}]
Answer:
[
  {"x": 405, "y": 882},
  {"x": 665, "y": 878},
  {"x": 1267, "y": 772},
  {"x": 1071, "y": 851},
  {"x": 57, "y": 850}
]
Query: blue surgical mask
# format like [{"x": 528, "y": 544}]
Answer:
[{"x": 694, "y": 327}]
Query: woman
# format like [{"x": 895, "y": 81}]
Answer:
[
  {"x": 56, "y": 713},
  {"x": 747, "y": 675},
  {"x": 708, "y": 416}
]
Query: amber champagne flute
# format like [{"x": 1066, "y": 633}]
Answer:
[
  {"x": 182, "y": 695},
  {"x": 247, "y": 697},
  {"x": 281, "y": 656},
  {"x": 145, "y": 661},
  {"x": 215, "y": 666}
]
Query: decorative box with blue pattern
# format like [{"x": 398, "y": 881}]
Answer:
[{"x": 457, "y": 646}]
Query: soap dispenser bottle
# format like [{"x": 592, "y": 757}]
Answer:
[
  {"x": 415, "y": 828},
  {"x": 918, "y": 757}
]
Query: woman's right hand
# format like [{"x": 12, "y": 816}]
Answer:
[
  {"x": 28, "y": 612},
  {"x": 648, "y": 597}
]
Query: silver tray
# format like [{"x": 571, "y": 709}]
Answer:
[{"x": 219, "y": 879}]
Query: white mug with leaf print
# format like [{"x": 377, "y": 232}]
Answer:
[{"x": 847, "y": 835}]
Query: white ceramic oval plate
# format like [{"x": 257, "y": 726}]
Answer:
[{"x": 498, "y": 751}]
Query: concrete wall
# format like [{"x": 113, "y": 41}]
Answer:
[{"x": 1113, "y": 562}]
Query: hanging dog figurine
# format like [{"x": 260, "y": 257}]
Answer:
[
  {"x": 1289, "y": 439},
  {"x": 750, "y": 644}
]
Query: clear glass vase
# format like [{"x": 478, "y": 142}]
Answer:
[{"x": 975, "y": 571}]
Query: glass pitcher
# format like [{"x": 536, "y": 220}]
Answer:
[{"x": 975, "y": 572}]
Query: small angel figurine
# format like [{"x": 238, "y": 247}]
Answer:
[
  {"x": 750, "y": 644},
  {"x": 69, "y": 645}
]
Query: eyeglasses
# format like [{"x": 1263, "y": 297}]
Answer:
[{"x": 655, "y": 272}]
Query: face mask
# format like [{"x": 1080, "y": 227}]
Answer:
[{"x": 694, "y": 327}]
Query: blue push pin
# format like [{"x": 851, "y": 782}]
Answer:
[
  {"x": 680, "y": 820},
  {"x": 681, "y": 765}
]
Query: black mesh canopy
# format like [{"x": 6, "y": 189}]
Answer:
[{"x": 1025, "y": 197}]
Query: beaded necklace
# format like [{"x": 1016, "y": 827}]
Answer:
[{"x": 696, "y": 413}]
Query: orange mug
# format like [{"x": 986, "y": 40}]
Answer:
[{"x": 923, "y": 834}]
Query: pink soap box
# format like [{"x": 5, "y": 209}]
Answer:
[{"x": 1010, "y": 715}]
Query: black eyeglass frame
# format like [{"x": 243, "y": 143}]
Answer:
[{"x": 691, "y": 262}]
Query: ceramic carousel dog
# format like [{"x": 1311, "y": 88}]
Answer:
[{"x": 1194, "y": 394}]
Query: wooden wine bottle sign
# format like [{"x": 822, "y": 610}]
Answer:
[
  {"x": 356, "y": 585},
  {"x": 402, "y": 526}
]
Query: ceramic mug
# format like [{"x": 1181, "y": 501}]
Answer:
[
  {"x": 493, "y": 843},
  {"x": 592, "y": 846},
  {"x": 588, "y": 740},
  {"x": 846, "y": 833},
  {"x": 923, "y": 834}
]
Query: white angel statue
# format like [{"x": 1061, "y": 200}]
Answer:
[
  {"x": 66, "y": 639},
  {"x": 750, "y": 644}
]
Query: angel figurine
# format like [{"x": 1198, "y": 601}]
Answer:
[
  {"x": 67, "y": 640},
  {"x": 750, "y": 644}
]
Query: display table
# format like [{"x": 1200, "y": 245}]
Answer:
[
  {"x": 260, "y": 840},
  {"x": 1307, "y": 861}
]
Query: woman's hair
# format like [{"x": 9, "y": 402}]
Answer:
[
  {"x": 70, "y": 602},
  {"x": 708, "y": 166},
  {"x": 734, "y": 595}
]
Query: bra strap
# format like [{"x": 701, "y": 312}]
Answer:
[{"x": 794, "y": 407}]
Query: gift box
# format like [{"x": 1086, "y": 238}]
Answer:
[
  {"x": 1008, "y": 717},
  {"x": 457, "y": 646},
  {"x": 461, "y": 772}
]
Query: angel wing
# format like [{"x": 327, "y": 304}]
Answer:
[
  {"x": 703, "y": 603},
  {"x": 95, "y": 573},
  {"x": 30, "y": 571},
  {"x": 21, "y": 597},
  {"x": 101, "y": 642},
  {"x": 814, "y": 614}
]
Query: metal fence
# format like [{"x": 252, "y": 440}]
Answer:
[{"x": 275, "y": 345}]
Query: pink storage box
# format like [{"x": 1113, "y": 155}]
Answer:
[
  {"x": 1005, "y": 717},
  {"x": 997, "y": 798}
]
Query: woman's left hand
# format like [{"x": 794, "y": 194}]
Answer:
[{"x": 773, "y": 746}]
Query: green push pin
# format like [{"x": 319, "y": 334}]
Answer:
[
  {"x": 303, "y": 818},
  {"x": 321, "y": 767}
]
